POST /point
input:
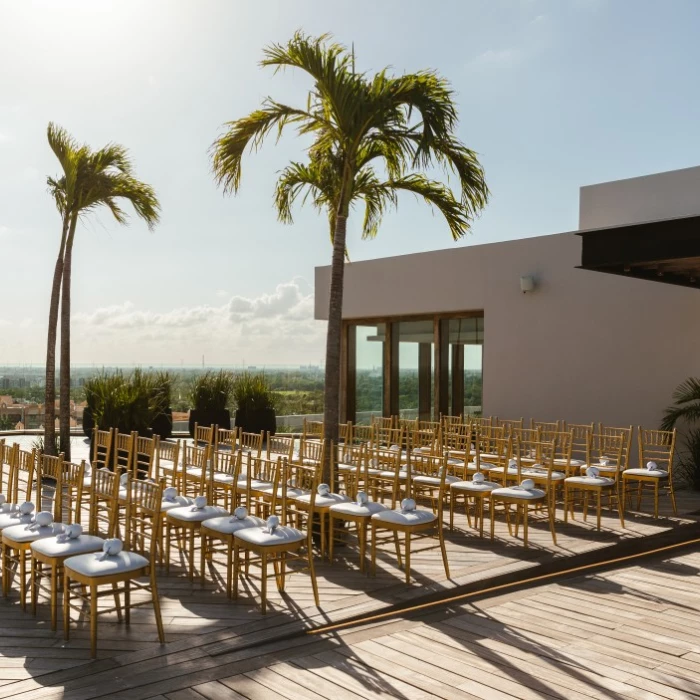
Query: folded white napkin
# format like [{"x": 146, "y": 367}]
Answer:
[
  {"x": 323, "y": 489},
  {"x": 652, "y": 466},
  {"x": 592, "y": 472},
  {"x": 273, "y": 523},
  {"x": 408, "y": 505},
  {"x": 527, "y": 484},
  {"x": 199, "y": 503},
  {"x": 112, "y": 547}
]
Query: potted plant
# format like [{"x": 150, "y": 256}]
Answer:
[
  {"x": 162, "y": 424},
  {"x": 255, "y": 404},
  {"x": 210, "y": 396}
]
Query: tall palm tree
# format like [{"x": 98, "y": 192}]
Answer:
[
  {"x": 101, "y": 179},
  {"x": 371, "y": 136}
]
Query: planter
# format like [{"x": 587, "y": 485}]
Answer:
[
  {"x": 88, "y": 422},
  {"x": 163, "y": 424},
  {"x": 257, "y": 421},
  {"x": 208, "y": 418}
]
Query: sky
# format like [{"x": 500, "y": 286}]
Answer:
[{"x": 552, "y": 94}]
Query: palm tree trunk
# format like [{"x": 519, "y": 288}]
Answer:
[
  {"x": 64, "y": 392},
  {"x": 331, "y": 396},
  {"x": 50, "y": 385}
]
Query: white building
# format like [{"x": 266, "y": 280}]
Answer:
[{"x": 581, "y": 346}]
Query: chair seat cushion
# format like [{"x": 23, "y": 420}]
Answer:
[
  {"x": 542, "y": 474},
  {"x": 190, "y": 514},
  {"x": 434, "y": 480},
  {"x": 168, "y": 504},
  {"x": 98, "y": 564},
  {"x": 255, "y": 484},
  {"x": 62, "y": 546},
  {"x": 484, "y": 486},
  {"x": 323, "y": 501},
  {"x": 21, "y": 534},
  {"x": 607, "y": 469},
  {"x": 591, "y": 480},
  {"x": 572, "y": 462},
  {"x": 519, "y": 492},
  {"x": 391, "y": 475},
  {"x": 342, "y": 467},
  {"x": 292, "y": 492},
  {"x": 261, "y": 537},
  {"x": 228, "y": 525},
  {"x": 409, "y": 517},
  {"x": 352, "y": 508},
  {"x": 14, "y": 517},
  {"x": 654, "y": 473}
]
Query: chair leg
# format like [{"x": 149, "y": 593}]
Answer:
[
  {"x": 190, "y": 554},
  {"x": 492, "y": 508},
  {"x": 263, "y": 583},
  {"x": 229, "y": 567},
  {"x": 54, "y": 596},
  {"x": 525, "y": 509},
  {"x": 397, "y": 545},
  {"x": 32, "y": 584},
  {"x": 362, "y": 536},
  {"x": 481, "y": 516},
  {"x": 408, "y": 557},
  {"x": 312, "y": 572},
  {"x": 452, "y": 512},
  {"x": 374, "y": 550},
  {"x": 600, "y": 494},
  {"x": 441, "y": 538},
  {"x": 93, "y": 620},
  {"x": 673, "y": 496},
  {"x": 639, "y": 495},
  {"x": 566, "y": 502},
  {"x": 656, "y": 498},
  {"x": 551, "y": 526},
  {"x": 156, "y": 606},
  {"x": 236, "y": 572},
  {"x": 66, "y": 606}
]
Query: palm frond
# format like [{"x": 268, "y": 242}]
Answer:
[
  {"x": 689, "y": 413},
  {"x": 688, "y": 391}
]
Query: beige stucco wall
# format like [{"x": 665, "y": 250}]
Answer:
[
  {"x": 584, "y": 346},
  {"x": 638, "y": 199}
]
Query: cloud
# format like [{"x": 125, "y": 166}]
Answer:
[
  {"x": 26, "y": 322},
  {"x": 496, "y": 57},
  {"x": 5, "y": 230},
  {"x": 277, "y": 327}
]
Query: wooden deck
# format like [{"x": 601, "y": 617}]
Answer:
[{"x": 217, "y": 648}]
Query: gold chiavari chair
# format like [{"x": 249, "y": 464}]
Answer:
[
  {"x": 101, "y": 449},
  {"x": 220, "y": 531},
  {"x": 16, "y": 539},
  {"x": 310, "y": 453},
  {"x": 225, "y": 475},
  {"x": 656, "y": 453},
  {"x": 360, "y": 510},
  {"x": 411, "y": 522},
  {"x": 388, "y": 437},
  {"x": 580, "y": 436},
  {"x": 20, "y": 479},
  {"x": 407, "y": 424},
  {"x": 5, "y": 453},
  {"x": 385, "y": 473},
  {"x": 600, "y": 449},
  {"x": 382, "y": 422},
  {"x": 350, "y": 462},
  {"x": 524, "y": 495},
  {"x": 545, "y": 426},
  {"x": 123, "y": 444},
  {"x": 511, "y": 425},
  {"x": 363, "y": 434},
  {"x": 259, "y": 484},
  {"x": 563, "y": 445},
  {"x": 627, "y": 434},
  {"x": 278, "y": 541},
  {"x": 430, "y": 480},
  {"x": 312, "y": 429},
  {"x": 194, "y": 465},
  {"x": 186, "y": 521},
  {"x": 345, "y": 432},
  {"x": 120, "y": 569},
  {"x": 49, "y": 553},
  {"x": 479, "y": 487},
  {"x": 483, "y": 423},
  {"x": 452, "y": 424},
  {"x": 167, "y": 461}
]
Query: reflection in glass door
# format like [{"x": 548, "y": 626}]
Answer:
[
  {"x": 369, "y": 372},
  {"x": 466, "y": 342},
  {"x": 416, "y": 369}
]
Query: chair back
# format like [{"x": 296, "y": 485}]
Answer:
[
  {"x": 511, "y": 425},
  {"x": 312, "y": 429},
  {"x": 5, "y": 452},
  {"x": 545, "y": 458},
  {"x": 104, "y": 502},
  {"x": 22, "y": 475},
  {"x": 49, "y": 485},
  {"x": 352, "y": 456},
  {"x": 167, "y": 451},
  {"x": 225, "y": 472},
  {"x": 563, "y": 444},
  {"x": 310, "y": 452},
  {"x": 386, "y": 437},
  {"x": 73, "y": 486},
  {"x": 524, "y": 435},
  {"x": 426, "y": 439},
  {"x": 204, "y": 434},
  {"x": 457, "y": 443},
  {"x": 345, "y": 432},
  {"x": 194, "y": 457},
  {"x": 626, "y": 434},
  {"x": 408, "y": 424},
  {"x": 363, "y": 434},
  {"x": 389, "y": 461},
  {"x": 143, "y": 518},
  {"x": 296, "y": 476},
  {"x": 251, "y": 442},
  {"x": 226, "y": 438},
  {"x": 452, "y": 423},
  {"x": 657, "y": 446},
  {"x": 605, "y": 450},
  {"x": 382, "y": 422},
  {"x": 424, "y": 465},
  {"x": 101, "y": 449},
  {"x": 144, "y": 461},
  {"x": 500, "y": 453},
  {"x": 123, "y": 451},
  {"x": 545, "y": 426},
  {"x": 580, "y": 436},
  {"x": 267, "y": 471},
  {"x": 280, "y": 446}
]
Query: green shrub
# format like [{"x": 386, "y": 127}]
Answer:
[
  {"x": 212, "y": 391},
  {"x": 252, "y": 392}
]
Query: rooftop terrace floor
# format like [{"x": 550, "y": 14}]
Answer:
[{"x": 626, "y": 633}]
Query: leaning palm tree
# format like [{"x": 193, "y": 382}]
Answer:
[
  {"x": 97, "y": 178},
  {"x": 370, "y": 138},
  {"x": 686, "y": 404}
]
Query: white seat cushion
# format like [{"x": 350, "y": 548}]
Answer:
[
  {"x": 323, "y": 501},
  {"x": 346, "y": 467},
  {"x": 391, "y": 475},
  {"x": 542, "y": 474},
  {"x": 21, "y": 534},
  {"x": 591, "y": 480},
  {"x": 572, "y": 462},
  {"x": 409, "y": 517},
  {"x": 229, "y": 525},
  {"x": 261, "y": 537},
  {"x": 291, "y": 491},
  {"x": 190, "y": 514},
  {"x": 519, "y": 492},
  {"x": 177, "y": 502},
  {"x": 255, "y": 484},
  {"x": 435, "y": 481},
  {"x": 97, "y": 564},
  {"x": 63, "y": 546},
  {"x": 484, "y": 486},
  {"x": 351, "y": 508},
  {"x": 656, "y": 473},
  {"x": 14, "y": 518}
]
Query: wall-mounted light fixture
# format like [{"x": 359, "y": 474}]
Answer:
[{"x": 527, "y": 284}]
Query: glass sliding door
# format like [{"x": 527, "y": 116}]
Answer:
[
  {"x": 416, "y": 369},
  {"x": 465, "y": 355},
  {"x": 369, "y": 372}
]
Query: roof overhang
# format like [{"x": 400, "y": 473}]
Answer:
[{"x": 665, "y": 251}]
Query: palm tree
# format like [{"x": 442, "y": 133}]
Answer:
[
  {"x": 98, "y": 178},
  {"x": 686, "y": 404},
  {"x": 370, "y": 137}
]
